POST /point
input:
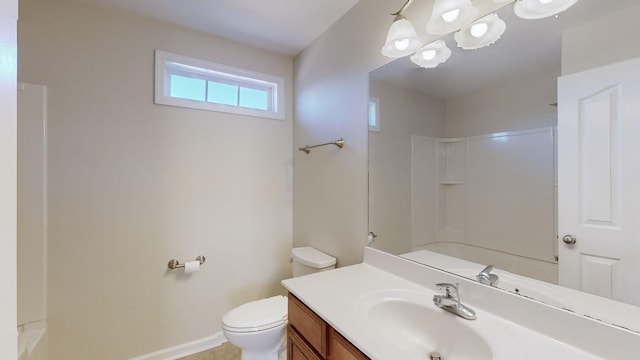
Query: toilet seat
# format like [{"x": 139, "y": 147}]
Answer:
[{"x": 257, "y": 315}]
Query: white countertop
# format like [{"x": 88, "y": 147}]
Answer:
[{"x": 337, "y": 297}]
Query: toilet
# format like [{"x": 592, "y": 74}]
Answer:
[{"x": 258, "y": 328}]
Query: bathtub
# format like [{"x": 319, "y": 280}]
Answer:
[
  {"x": 531, "y": 268},
  {"x": 32, "y": 341}
]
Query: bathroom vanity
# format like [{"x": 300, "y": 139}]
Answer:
[
  {"x": 383, "y": 309},
  {"x": 311, "y": 338}
]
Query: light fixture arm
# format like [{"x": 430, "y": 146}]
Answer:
[{"x": 403, "y": 8}]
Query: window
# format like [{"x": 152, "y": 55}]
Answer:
[
  {"x": 374, "y": 114},
  {"x": 198, "y": 84}
]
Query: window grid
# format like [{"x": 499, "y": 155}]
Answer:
[
  {"x": 245, "y": 94},
  {"x": 239, "y": 85}
]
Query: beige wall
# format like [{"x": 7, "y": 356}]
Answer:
[
  {"x": 331, "y": 87},
  {"x": 607, "y": 40},
  {"x": 8, "y": 145},
  {"x": 521, "y": 104},
  {"x": 403, "y": 113},
  {"x": 133, "y": 184}
]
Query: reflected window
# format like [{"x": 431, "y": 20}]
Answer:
[{"x": 374, "y": 114}]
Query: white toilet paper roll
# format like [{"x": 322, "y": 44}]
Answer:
[{"x": 191, "y": 266}]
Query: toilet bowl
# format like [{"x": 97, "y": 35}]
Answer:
[{"x": 258, "y": 328}]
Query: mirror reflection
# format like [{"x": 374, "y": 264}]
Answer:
[{"x": 463, "y": 161}]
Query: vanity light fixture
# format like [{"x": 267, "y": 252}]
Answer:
[
  {"x": 402, "y": 38},
  {"x": 481, "y": 33},
  {"x": 459, "y": 16},
  {"x": 432, "y": 55},
  {"x": 539, "y": 9},
  {"x": 450, "y": 15}
]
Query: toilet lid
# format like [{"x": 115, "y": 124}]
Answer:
[{"x": 257, "y": 315}]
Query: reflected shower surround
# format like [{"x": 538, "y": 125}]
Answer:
[{"x": 459, "y": 16}]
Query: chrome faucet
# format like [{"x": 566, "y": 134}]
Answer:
[
  {"x": 450, "y": 301},
  {"x": 486, "y": 277}
]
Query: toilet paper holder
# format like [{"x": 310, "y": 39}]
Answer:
[{"x": 175, "y": 264}]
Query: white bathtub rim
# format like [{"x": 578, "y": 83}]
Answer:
[{"x": 29, "y": 336}]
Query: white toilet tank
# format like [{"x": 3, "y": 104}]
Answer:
[{"x": 307, "y": 260}]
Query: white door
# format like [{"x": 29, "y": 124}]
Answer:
[{"x": 599, "y": 181}]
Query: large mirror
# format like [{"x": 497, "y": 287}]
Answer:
[{"x": 463, "y": 159}]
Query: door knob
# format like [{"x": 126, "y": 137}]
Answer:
[{"x": 569, "y": 239}]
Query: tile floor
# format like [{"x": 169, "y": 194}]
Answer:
[{"x": 225, "y": 351}]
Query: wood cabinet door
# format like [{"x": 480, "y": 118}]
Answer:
[
  {"x": 309, "y": 325},
  {"x": 297, "y": 347},
  {"x": 310, "y": 338},
  {"x": 341, "y": 349}
]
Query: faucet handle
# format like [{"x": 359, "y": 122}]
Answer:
[
  {"x": 450, "y": 290},
  {"x": 446, "y": 285},
  {"x": 486, "y": 277},
  {"x": 487, "y": 270}
]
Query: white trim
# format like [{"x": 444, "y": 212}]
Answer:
[
  {"x": 8, "y": 179},
  {"x": 162, "y": 58},
  {"x": 186, "y": 349}
]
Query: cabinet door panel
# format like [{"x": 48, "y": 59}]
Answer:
[
  {"x": 297, "y": 347},
  {"x": 341, "y": 349},
  {"x": 309, "y": 325}
]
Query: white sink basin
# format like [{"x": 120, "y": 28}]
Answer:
[{"x": 410, "y": 321}]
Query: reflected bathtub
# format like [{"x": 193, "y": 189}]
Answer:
[{"x": 32, "y": 339}]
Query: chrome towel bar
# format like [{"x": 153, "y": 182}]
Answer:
[
  {"x": 339, "y": 143},
  {"x": 175, "y": 264}
]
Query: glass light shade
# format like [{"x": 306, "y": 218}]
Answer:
[
  {"x": 479, "y": 29},
  {"x": 503, "y": 1},
  {"x": 538, "y": 9},
  {"x": 432, "y": 55},
  {"x": 402, "y": 39},
  {"x": 471, "y": 38},
  {"x": 451, "y": 15}
]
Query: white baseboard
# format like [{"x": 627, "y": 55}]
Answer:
[{"x": 187, "y": 349}]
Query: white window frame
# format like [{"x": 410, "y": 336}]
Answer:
[
  {"x": 167, "y": 64},
  {"x": 375, "y": 102}
]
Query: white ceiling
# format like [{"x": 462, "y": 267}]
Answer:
[
  {"x": 288, "y": 26},
  {"x": 281, "y": 26}
]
